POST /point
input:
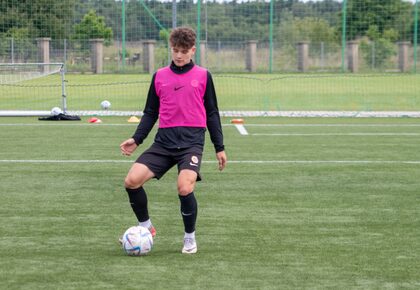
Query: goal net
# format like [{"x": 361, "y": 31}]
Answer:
[{"x": 31, "y": 89}]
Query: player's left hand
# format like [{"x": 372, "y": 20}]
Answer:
[
  {"x": 128, "y": 146},
  {"x": 221, "y": 157}
]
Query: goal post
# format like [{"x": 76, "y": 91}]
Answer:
[{"x": 32, "y": 89}]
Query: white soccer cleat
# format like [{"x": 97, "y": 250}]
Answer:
[{"x": 190, "y": 246}]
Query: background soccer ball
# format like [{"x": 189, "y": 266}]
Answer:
[
  {"x": 56, "y": 111},
  {"x": 137, "y": 241},
  {"x": 106, "y": 105}
]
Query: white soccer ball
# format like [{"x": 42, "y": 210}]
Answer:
[
  {"x": 137, "y": 241},
  {"x": 56, "y": 111},
  {"x": 106, "y": 105}
]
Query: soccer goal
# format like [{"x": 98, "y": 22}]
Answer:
[{"x": 31, "y": 89}]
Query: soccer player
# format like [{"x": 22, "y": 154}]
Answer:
[{"x": 183, "y": 98}]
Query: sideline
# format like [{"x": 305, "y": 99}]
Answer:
[{"x": 267, "y": 162}]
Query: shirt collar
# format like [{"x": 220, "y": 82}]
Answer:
[{"x": 181, "y": 69}]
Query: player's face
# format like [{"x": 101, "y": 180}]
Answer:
[{"x": 182, "y": 56}]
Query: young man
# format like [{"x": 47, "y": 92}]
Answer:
[{"x": 183, "y": 98}]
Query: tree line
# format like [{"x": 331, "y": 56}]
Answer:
[{"x": 220, "y": 21}]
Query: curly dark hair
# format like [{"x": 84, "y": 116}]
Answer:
[{"x": 183, "y": 37}]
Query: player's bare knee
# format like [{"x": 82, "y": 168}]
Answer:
[
  {"x": 185, "y": 189},
  {"x": 131, "y": 183}
]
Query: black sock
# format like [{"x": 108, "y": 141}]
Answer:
[
  {"x": 138, "y": 201},
  {"x": 189, "y": 211}
]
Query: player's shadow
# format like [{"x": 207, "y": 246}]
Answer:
[{"x": 167, "y": 252}]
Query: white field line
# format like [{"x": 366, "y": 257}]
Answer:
[
  {"x": 66, "y": 123},
  {"x": 332, "y": 125},
  {"x": 241, "y": 129},
  {"x": 75, "y": 123},
  {"x": 335, "y": 134},
  {"x": 266, "y": 162}
]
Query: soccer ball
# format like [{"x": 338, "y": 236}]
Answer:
[
  {"x": 105, "y": 105},
  {"x": 137, "y": 241},
  {"x": 56, "y": 111}
]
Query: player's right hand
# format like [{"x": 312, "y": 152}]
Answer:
[
  {"x": 128, "y": 146},
  {"x": 222, "y": 159}
]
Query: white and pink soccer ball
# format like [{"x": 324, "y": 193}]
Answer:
[{"x": 137, "y": 241}]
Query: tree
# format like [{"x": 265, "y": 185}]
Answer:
[
  {"x": 378, "y": 24},
  {"x": 23, "y": 46},
  {"x": 42, "y": 18},
  {"x": 92, "y": 26},
  {"x": 385, "y": 15},
  {"x": 381, "y": 43}
]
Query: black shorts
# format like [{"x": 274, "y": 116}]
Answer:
[{"x": 160, "y": 159}]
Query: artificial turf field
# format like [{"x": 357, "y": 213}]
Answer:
[{"x": 306, "y": 203}]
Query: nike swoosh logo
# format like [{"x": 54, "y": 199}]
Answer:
[
  {"x": 186, "y": 214},
  {"x": 193, "y": 164},
  {"x": 178, "y": 88}
]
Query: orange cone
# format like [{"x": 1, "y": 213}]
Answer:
[
  {"x": 94, "y": 120},
  {"x": 237, "y": 121}
]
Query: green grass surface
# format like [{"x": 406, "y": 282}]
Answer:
[
  {"x": 381, "y": 92},
  {"x": 303, "y": 204}
]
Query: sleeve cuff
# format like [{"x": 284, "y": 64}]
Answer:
[
  {"x": 137, "y": 141},
  {"x": 219, "y": 148}
]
